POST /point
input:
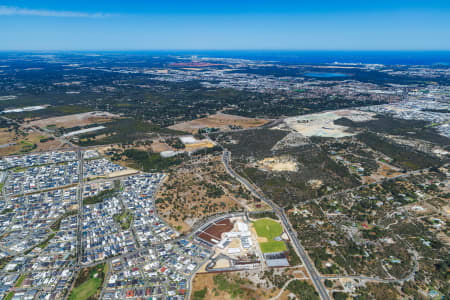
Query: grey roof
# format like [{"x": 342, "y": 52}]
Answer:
[{"x": 278, "y": 262}]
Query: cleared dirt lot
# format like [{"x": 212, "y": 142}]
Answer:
[
  {"x": 159, "y": 146},
  {"x": 82, "y": 119},
  {"x": 278, "y": 164},
  {"x": 221, "y": 121},
  {"x": 6, "y": 136},
  {"x": 199, "y": 145},
  {"x": 322, "y": 124}
]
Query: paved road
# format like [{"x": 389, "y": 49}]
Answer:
[
  {"x": 316, "y": 279},
  {"x": 80, "y": 209}
]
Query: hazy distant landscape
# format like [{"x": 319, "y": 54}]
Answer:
[{"x": 212, "y": 150}]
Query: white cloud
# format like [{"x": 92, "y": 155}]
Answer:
[{"x": 16, "y": 11}]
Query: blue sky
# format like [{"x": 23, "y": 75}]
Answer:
[{"x": 213, "y": 24}]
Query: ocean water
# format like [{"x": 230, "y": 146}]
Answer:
[
  {"x": 365, "y": 57},
  {"x": 441, "y": 58},
  {"x": 325, "y": 57}
]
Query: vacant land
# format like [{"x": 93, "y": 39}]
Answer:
[
  {"x": 279, "y": 163},
  {"x": 199, "y": 188},
  {"x": 251, "y": 284},
  {"x": 7, "y": 135},
  {"x": 50, "y": 111},
  {"x": 158, "y": 145},
  {"x": 199, "y": 145},
  {"x": 228, "y": 286},
  {"x": 256, "y": 143},
  {"x": 415, "y": 129},
  {"x": 322, "y": 124},
  {"x": 221, "y": 121},
  {"x": 148, "y": 161},
  {"x": 19, "y": 142},
  {"x": 123, "y": 131},
  {"x": 288, "y": 174},
  {"x": 317, "y": 175},
  {"x": 74, "y": 120},
  {"x": 402, "y": 155}
]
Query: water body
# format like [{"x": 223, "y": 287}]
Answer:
[
  {"x": 322, "y": 56},
  {"x": 325, "y": 75},
  {"x": 305, "y": 56},
  {"x": 327, "y": 57}
]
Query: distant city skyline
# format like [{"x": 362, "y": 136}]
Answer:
[{"x": 209, "y": 25}]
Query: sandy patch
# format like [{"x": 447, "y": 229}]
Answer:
[
  {"x": 278, "y": 164},
  {"x": 6, "y": 136},
  {"x": 293, "y": 139},
  {"x": 82, "y": 119},
  {"x": 222, "y": 263},
  {"x": 322, "y": 124},
  {"x": 199, "y": 145},
  {"x": 158, "y": 146},
  {"x": 262, "y": 239},
  {"x": 446, "y": 209},
  {"x": 24, "y": 142},
  {"x": 315, "y": 183},
  {"x": 219, "y": 120},
  {"x": 122, "y": 173}
]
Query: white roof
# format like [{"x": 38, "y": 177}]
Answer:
[{"x": 188, "y": 139}]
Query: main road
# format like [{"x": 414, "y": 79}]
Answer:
[
  {"x": 80, "y": 208},
  {"x": 316, "y": 279}
]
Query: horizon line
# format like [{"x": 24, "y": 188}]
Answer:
[{"x": 218, "y": 49}]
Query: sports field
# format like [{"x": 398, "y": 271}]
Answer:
[{"x": 269, "y": 229}]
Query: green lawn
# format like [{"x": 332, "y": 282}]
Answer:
[
  {"x": 273, "y": 246},
  {"x": 91, "y": 285},
  {"x": 268, "y": 228},
  {"x": 86, "y": 290}
]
